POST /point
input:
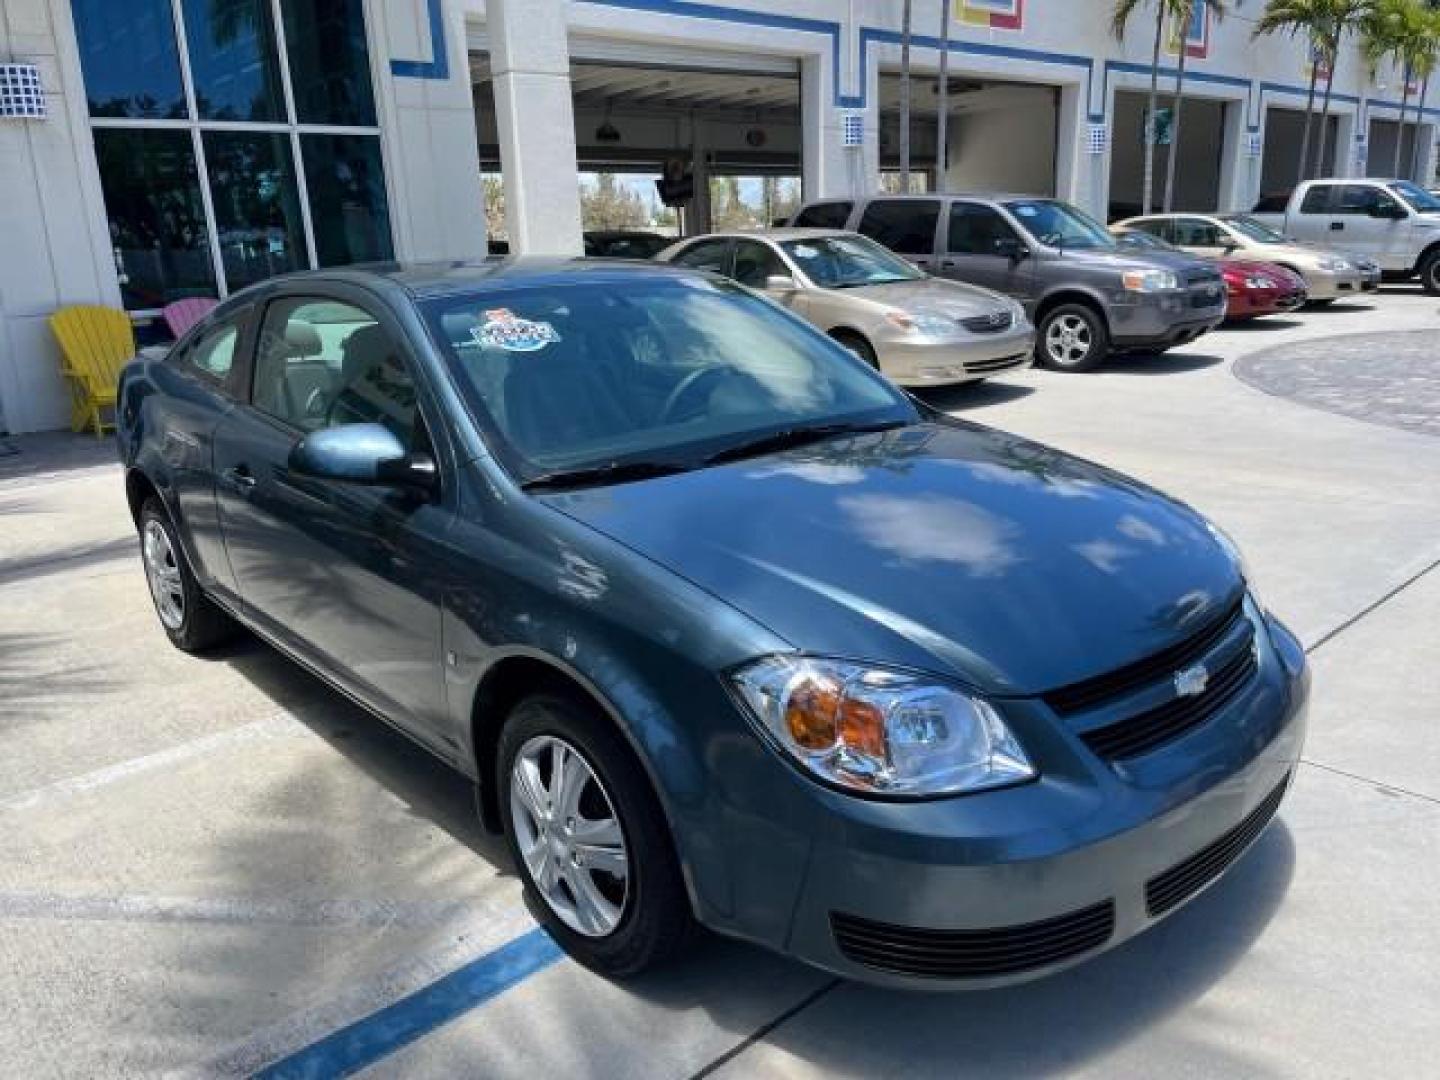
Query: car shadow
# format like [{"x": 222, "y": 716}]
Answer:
[
  {"x": 1140, "y": 363},
  {"x": 1340, "y": 307},
  {"x": 973, "y": 395},
  {"x": 52, "y": 453},
  {"x": 1262, "y": 323}
]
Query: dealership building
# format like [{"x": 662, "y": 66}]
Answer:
[{"x": 153, "y": 150}]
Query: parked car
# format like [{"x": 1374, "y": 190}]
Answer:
[
  {"x": 1328, "y": 275},
  {"x": 1086, "y": 296},
  {"x": 1252, "y": 289},
  {"x": 722, "y": 624},
  {"x": 1395, "y": 223},
  {"x": 917, "y": 329},
  {"x": 625, "y": 244}
]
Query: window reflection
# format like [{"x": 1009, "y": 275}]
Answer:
[
  {"x": 348, "y": 207},
  {"x": 233, "y": 61},
  {"x": 329, "y": 62},
  {"x": 157, "y": 221},
  {"x": 257, "y": 208},
  {"x": 128, "y": 56}
]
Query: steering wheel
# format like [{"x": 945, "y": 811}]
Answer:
[{"x": 690, "y": 386}]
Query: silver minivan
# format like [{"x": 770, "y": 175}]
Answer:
[{"x": 1086, "y": 295}]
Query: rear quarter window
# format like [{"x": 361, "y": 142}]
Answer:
[{"x": 1317, "y": 199}]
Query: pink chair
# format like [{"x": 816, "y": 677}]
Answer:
[{"x": 181, "y": 315}]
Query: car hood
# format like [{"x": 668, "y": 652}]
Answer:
[
  {"x": 932, "y": 295},
  {"x": 1121, "y": 261},
  {"x": 944, "y": 547}
]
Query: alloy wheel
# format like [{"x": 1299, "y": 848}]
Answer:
[
  {"x": 1068, "y": 340},
  {"x": 162, "y": 573},
  {"x": 569, "y": 836}
]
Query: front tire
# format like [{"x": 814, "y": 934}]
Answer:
[
  {"x": 588, "y": 838},
  {"x": 1071, "y": 337},
  {"x": 189, "y": 618},
  {"x": 1430, "y": 273},
  {"x": 859, "y": 346}
]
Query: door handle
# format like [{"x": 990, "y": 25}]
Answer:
[
  {"x": 947, "y": 264},
  {"x": 1337, "y": 226},
  {"x": 239, "y": 477}
]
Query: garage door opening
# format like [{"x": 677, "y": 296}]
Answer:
[
  {"x": 1001, "y": 136},
  {"x": 1284, "y": 133},
  {"x": 729, "y": 125},
  {"x": 1380, "y": 161},
  {"x": 1197, "y": 166}
]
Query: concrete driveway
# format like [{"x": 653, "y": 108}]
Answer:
[{"x": 211, "y": 866}]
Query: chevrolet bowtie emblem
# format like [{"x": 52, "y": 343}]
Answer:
[{"x": 1192, "y": 681}]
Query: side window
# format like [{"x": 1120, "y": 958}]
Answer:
[
  {"x": 906, "y": 226},
  {"x": 1197, "y": 232},
  {"x": 1361, "y": 199},
  {"x": 1317, "y": 199},
  {"x": 1160, "y": 227},
  {"x": 321, "y": 363},
  {"x": 213, "y": 355},
  {"x": 829, "y": 215},
  {"x": 974, "y": 229},
  {"x": 754, "y": 262},
  {"x": 706, "y": 255}
]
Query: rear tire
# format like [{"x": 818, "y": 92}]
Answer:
[
  {"x": 565, "y": 838},
  {"x": 1430, "y": 273},
  {"x": 190, "y": 619},
  {"x": 1071, "y": 337},
  {"x": 1317, "y": 304}
]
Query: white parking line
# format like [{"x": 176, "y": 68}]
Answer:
[
  {"x": 278, "y": 725},
  {"x": 232, "y": 911}
]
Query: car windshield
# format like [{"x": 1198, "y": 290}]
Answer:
[
  {"x": 845, "y": 262},
  {"x": 1058, "y": 224},
  {"x": 1255, "y": 230},
  {"x": 660, "y": 374},
  {"x": 1418, "y": 198}
]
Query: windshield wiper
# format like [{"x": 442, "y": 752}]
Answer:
[
  {"x": 614, "y": 472},
  {"x": 789, "y": 438}
]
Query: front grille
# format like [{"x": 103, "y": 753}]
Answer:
[
  {"x": 993, "y": 323},
  {"x": 971, "y": 954},
  {"x": 1087, "y": 694},
  {"x": 1202, "y": 277},
  {"x": 980, "y": 366},
  {"x": 1139, "y": 734},
  {"x": 1185, "y": 879}
]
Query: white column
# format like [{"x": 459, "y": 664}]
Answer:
[
  {"x": 1075, "y": 167},
  {"x": 1425, "y": 176},
  {"x": 1345, "y": 131},
  {"x": 1237, "y": 169},
  {"x": 530, "y": 58}
]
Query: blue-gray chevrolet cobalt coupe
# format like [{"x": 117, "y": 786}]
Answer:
[{"x": 724, "y": 627}]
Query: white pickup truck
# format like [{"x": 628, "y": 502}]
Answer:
[{"x": 1394, "y": 222}]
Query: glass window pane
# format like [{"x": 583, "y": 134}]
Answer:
[
  {"x": 329, "y": 61},
  {"x": 257, "y": 206},
  {"x": 157, "y": 221},
  {"x": 232, "y": 60},
  {"x": 348, "y": 208},
  {"x": 128, "y": 55}
]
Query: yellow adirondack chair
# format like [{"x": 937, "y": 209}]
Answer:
[{"x": 96, "y": 343}]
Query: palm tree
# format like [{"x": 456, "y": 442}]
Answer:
[
  {"x": 1185, "y": 13},
  {"x": 1393, "y": 31},
  {"x": 905, "y": 98},
  {"x": 1324, "y": 23},
  {"x": 1120, "y": 18},
  {"x": 1426, "y": 62}
]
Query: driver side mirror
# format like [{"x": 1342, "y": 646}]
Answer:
[
  {"x": 780, "y": 283},
  {"x": 363, "y": 454},
  {"x": 1008, "y": 247}
]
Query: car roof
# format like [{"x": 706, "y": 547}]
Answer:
[
  {"x": 780, "y": 233},
  {"x": 1180, "y": 214},
  {"x": 429, "y": 279},
  {"x": 983, "y": 196}
]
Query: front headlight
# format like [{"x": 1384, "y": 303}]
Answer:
[
  {"x": 921, "y": 323},
  {"x": 880, "y": 732},
  {"x": 1335, "y": 266},
  {"x": 1150, "y": 281}
]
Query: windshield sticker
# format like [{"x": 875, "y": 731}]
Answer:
[
  {"x": 804, "y": 251},
  {"x": 1026, "y": 211},
  {"x": 503, "y": 329}
]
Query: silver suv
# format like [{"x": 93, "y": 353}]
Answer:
[{"x": 1087, "y": 297}]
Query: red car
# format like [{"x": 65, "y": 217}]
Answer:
[
  {"x": 1253, "y": 288},
  {"x": 1259, "y": 288}
]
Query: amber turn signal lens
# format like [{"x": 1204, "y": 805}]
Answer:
[
  {"x": 862, "y": 728},
  {"x": 810, "y": 714}
]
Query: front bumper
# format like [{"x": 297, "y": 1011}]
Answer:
[
  {"x": 1328, "y": 285},
  {"x": 1250, "y": 305},
  {"x": 915, "y": 360},
  {"x": 1164, "y": 320},
  {"x": 894, "y": 893}
]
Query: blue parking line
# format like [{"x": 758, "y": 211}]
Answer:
[{"x": 382, "y": 1033}]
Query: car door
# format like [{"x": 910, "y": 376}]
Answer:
[
  {"x": 905, "y": 226},
  {"x": 343, "y": 574},
  {"x": 1375, "y": 224},
  {"x": 755, "y": 262},
  {"x": 1199, "y": 236},
  {"x": 1313, "y": 222},
  {"x": 982, "y": 248},
  {"x": 198, "y": 388}
]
